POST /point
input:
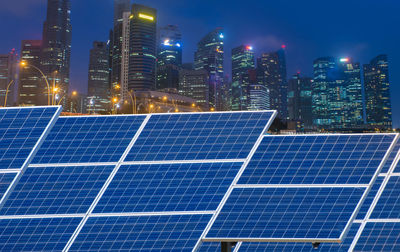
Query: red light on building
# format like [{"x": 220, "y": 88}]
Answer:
[{"x": 283, "y": 46}]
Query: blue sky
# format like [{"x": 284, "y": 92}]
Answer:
[{"x": 360, "y": 29}]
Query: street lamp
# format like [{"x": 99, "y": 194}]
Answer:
[
  {"x": 8, "y": 86},
  {"x": 133, "y": 100},
  {"x": 24, "y": 64}
]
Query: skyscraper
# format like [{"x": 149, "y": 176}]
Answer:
[
  {"x": 272, "y": 72},
  {"x": 169, "y": 59},
  {"x": 210, "y": 57},
  {"x": 377, "y": 93},
  {"x": 300, "y": 101},
  {"x": 8, "y": 77},
  {"x": 142, "y": 48},
  {"x": 242, "y": 61},
  {"x": 119, "y": 48},
  {"x": 56, "y": 47},
  {"x": 98, "y": 83},
  {"x": 337, "y": 94},
  {"x": 258, "y": 97},
  {"x": 32, "y": 90}
]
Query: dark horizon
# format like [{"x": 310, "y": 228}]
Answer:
[{"x": 307, "y": 30}]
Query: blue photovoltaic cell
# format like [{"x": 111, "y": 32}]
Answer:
[
  {"x": 318, "y": 213},
  {"x": 370, "y": 198},
  {"x": 322, "y": 159},
  {"x": 302, "y": 247},
  {"x": 388, "y": 206},
  {"x": 56, "y": 190},
  {"x": 391, "y": 158},
  {"x": 145, "y": 233},
  {"x": 5, "y": 182},
  {"x": 20, "y": 131},
  {"x": 88, "y": 139},
  {"x": 168, "y": 187},
  {"x": 379, "y": 237},
  {"x": 210, "y": 247},
  {"x": 36, "y": 234},
  {"x": 199, "y": 136}
]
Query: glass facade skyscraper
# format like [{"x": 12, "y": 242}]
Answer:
[
  {"x": 210, "y": 57},
  {"x": 8, "y": 77},
  {"x": 272, "y": 72},
  {"x": 169, "y": 58},
  {"x": 98, "y": 83},
  {"x": 337, "y": 94},
  {"x": 300, "y": 101},
  {"x": 142, "y": 48},
  {"x": 242, "y": 61},
  {"x": 377, "y": 93},
  {"x": 56, "y": 47}
]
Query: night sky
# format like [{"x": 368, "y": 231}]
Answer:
[{"x": 360, "y": 29}]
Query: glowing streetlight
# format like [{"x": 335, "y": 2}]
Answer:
[
  {"x": 74, "y": 93},
  {"x": 212, "y": 109}
]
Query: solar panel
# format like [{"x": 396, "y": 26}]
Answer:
[
  {"x": 391, "y": 158},
  {"x": 291, "y": 214},
  {"x": 319, "y": 159},
  {"x": 88, "y": 139},
  {"x": 56, "y": 190},
  {"x": 168, "y": 187},
  {"x": 388, "y": 206},
  {"x": 301, "y": 188},
  {"x": 379, "y": 237},
  {"x": 200, "y": 136},
  {"x": 370, "y": 198},
  {"x": 38, "y": 234},
  {"x": 144, "y": 233},
  {"x": 21, "y": 130}
]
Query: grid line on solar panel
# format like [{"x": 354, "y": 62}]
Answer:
[
  {"x": 106, "y": 184},
  {"x": 168, "y": 187},
  {"x": 88, "y": 139},
  {"x": 317, "y": 159},
  {"x": 289, "y": 214},
  {"x": 200, "y": 136},
  {"x": 56, "y": 190},
  {"x": 21, "y": 132},
  {"x": 151, "y": 233},
  {"x": 36, "y": 234}
]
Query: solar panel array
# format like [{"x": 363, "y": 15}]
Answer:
[{"x": 168, "y": 182}]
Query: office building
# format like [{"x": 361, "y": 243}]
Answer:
[
  {"x": 56, "y": 47},
  {"x": 377, "y": 93},
  {"x": 32, "y": 90},
  {"x": 258, "y": 97},
  {"x": 195, "y": 84},
  {"x": 169, "y": 59},
  {"x": 142, "y": 48},
  {"x": 98, "y": 83},
  {"x": 242, "y": 61},
  {"x": 337, "y": 94},
  {"x": 210, "y": 57},
  {"x": 300, "y": 102},
  {"x": 272, "y": 73},
  {"x": 8, "y": 77}
]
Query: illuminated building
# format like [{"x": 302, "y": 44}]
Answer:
[
  {"x": 169, "y": 59},
  {"x": 195, "y": 84},
  {"x": 142, "y": 48},
  {"x": 210, "y": 57},
  {"x": 32, "y": 90},
  {"x": 337, "y": 94},
  {"x": 272, "y": 73},
  {"x": 258, "y": 97},
  {"x": 377, "y": 93},
  {"x": 56, "y": 47},
  {"x": 300, "y": 101},
  {"x": 8, "y": 77},
  {"x": 119, "y": 48},
  {"x": 98, "y": 83},
  {"x": 242, "y": 61}
]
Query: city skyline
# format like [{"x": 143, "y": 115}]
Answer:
[{"x": 264, "y": 32}]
